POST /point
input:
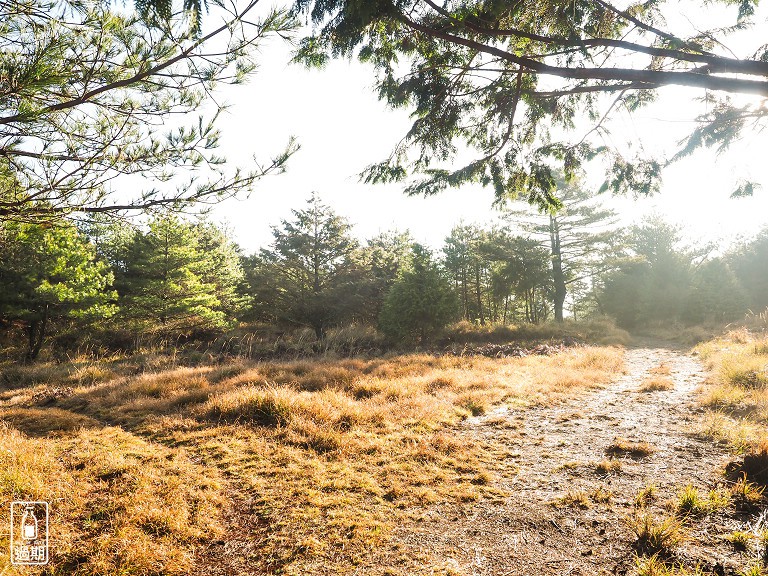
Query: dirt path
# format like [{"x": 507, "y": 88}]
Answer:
[{"x": 540, "y": 455}]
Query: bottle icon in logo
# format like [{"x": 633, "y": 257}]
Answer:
[{"x": 29, "y": 524}]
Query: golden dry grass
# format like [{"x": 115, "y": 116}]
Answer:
[
  {"x": 141, "y": 467},
  {"x": 656, "y": 384},
  {"x": 737, "y": 391},
  {"x": 622, "y": 447}
]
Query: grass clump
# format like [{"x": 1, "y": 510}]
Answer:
[
  {"x": 755, "y": 462},
  {"x": 654, "y": 536},
  {"x": 268, "y": 406},
  {"x": 662, "y": 369},
  {"x": 656, "y": 384},
  {"x": 747, "y": 495},
  {"x": 646, "y": 495},
  {"x": 623, "y": 447},
  {"x": 657, "y": 566},
  {"x": 608, "y": 466},
  {"x": 573, "y": 499},
  {"x": 690, "y": 502},
  {"x": 740, "y": 539}
]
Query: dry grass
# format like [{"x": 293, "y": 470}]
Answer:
[
  {"x": 573, "y": 499},
  {"x": 739, "y": 365},
  {"x": 623, "y": 447},
  {"x": 141, "y": 465},
  {"x": 608, "y": 466},
  {"x": 737, "y": 397},
  {"x": 656, "y": 384},
  {"x": 120, "y": 504},
  {"x": 662, "y": 369}
]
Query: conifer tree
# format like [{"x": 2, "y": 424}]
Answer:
[
  {"x": 420, "y": 302},
  {"x": 49, "y": 274},
  {"x": 578, "y": 236},
  {"x": 308, "y": 274},
  {"x": 166, "y": 277}
]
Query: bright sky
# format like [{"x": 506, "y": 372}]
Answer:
[{"x": 342, "y": 128}]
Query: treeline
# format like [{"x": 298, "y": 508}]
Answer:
[{"x": 189, "y": 279}]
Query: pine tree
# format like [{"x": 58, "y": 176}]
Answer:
[
  {"x": 167, "y": 277},
  {"x": 223, "y": 268},
  {"x": 308, "y": 274},
  {"x": 420, "y": 302},
  {"x": 578, "y": 235},
  {"x": 469, "y": 269},
  {"x": 380, "y": 261},
  {"x": 49, "y": 274}
]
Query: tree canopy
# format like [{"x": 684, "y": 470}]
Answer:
[
  {"x": 91, "y": 91},
  {"x": 511, "y": 80}
]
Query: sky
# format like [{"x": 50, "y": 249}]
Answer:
[{"x": 342, "y": 128}]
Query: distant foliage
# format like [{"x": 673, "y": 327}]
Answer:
[
  {"x": 663, "y": 281},
  {"x": 750, "y": 264}
]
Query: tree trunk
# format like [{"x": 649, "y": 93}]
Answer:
[
  {"x": 558, "y": 277},
  {"x": 36, "y": 334},
  {"x": 479, "y": 294}
]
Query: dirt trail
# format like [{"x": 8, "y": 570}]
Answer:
[{"x": 538, "y": 455}]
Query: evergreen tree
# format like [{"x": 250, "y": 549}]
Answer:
[
  {"x": 87, "y": 91},
  {"x": 579, "y": 236},
  {"x": 381, "y": 260},
  {"x": 522, "y": 271},
  {"x": 465, "y": 261},
  {"x": 750, "y": 263},
  {"x": 420, "y": 302},
  {"x": 308, "y": 274},
  {"x": 223, "y": 268},
  {"x": 48, "y": 274},
  {"x": 663, "y": 281},
  {"x": 715, "y": 295},
  {"x": 167, "y": 276}
]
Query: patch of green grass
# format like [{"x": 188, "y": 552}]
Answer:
[
  {"x": 646, "y": 495},
  {"x": 656, "y": 566},
  {"x": 747, "y": 495},
  {"x": 690, "y": 502},
  {"x": 657, "y": 536},
  {"x": 740, "y": 539}
]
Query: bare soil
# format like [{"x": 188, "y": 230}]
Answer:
[{"x": 539, "y": 455}]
